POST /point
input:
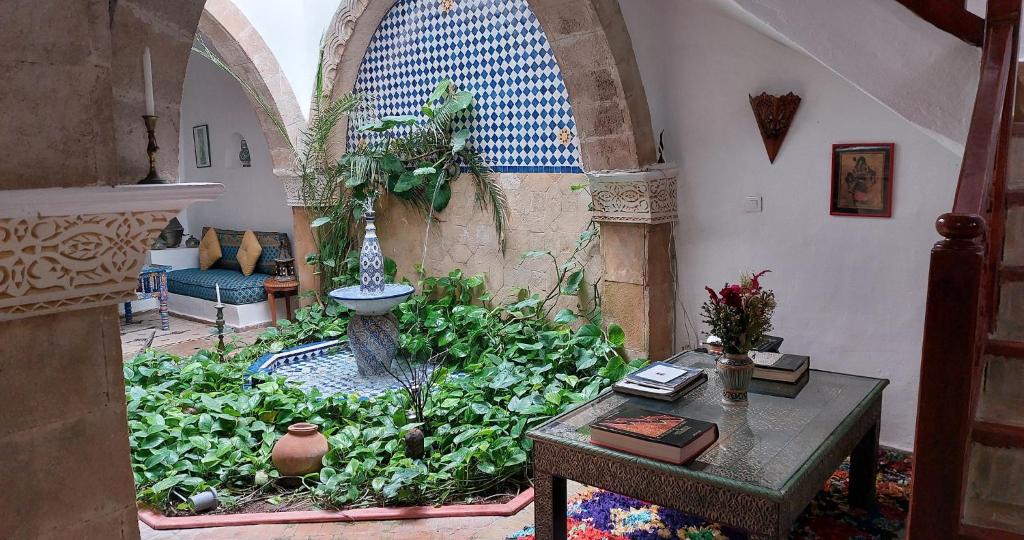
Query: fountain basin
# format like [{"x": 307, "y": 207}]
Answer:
[{"x": 373, "y": 303}]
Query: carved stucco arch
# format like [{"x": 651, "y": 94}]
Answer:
[{"x": 594, "y": 53}]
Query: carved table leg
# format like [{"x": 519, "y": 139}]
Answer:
[
  {"x": 273, "y": 311},
  {"x": 864, "y": 469},
  {"x": 549, "y": 506}
]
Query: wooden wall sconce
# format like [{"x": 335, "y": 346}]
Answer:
[{"x": 773, "y": 115}]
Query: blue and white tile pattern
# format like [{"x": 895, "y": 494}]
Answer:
[{"x": 522, "y": 120}]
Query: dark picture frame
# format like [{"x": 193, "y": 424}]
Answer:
[
  {"x": 201, "y": 142},
  {"x": 862, "y": 179}
]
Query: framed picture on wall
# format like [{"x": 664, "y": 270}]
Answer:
[
  {"x": 862, "y": 179},
  {"x": 201, "y": 138}
]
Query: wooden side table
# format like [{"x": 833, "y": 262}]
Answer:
[{"x": 287, "y": 289}]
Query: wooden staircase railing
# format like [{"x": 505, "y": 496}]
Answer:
[{"x": 962, "y": 289}]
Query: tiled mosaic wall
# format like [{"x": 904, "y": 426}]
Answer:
[{"x": 522, "y": 119}]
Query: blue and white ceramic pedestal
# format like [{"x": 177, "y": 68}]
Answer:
[
  {"x": 373, "y": 329},
  {"x": 374, "y": 341}
]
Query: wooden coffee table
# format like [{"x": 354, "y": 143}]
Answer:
[
  {"x": 772, "y": 457},
  {"x": 287, "y": 289}
]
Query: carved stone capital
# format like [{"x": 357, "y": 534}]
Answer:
[
  {"x": 638, "y": 196},
  {"x": 72, "y": 248},
  {"x": 292, "y": 182}
]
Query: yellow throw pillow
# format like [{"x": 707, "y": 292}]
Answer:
[
  {"x": 209, "y": 249},
  {"x": 249, "y": 253}
]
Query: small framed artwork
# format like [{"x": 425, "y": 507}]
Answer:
[
  {"x": 201, "y": 138},
  {"x": 862, "y": 179}
]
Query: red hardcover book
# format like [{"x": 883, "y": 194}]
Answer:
[{"x": 656, "y": 435}]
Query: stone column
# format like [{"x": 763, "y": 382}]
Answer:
[
  {"x": 67, "y": 258},
  {"x": 303, "y": 243},
  {"x": 636, "y": 210}
]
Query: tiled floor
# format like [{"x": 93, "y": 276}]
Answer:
[{"x": 185, "y": 336}]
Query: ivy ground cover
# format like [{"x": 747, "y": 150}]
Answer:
[{"x": 194, "y": 425}]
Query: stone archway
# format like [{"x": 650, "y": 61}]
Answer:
[
  {"x": 169, "y": 31},
  {"x": 230, "y": 34},
  {"x": 633, "y": 199},
  {"x": 594, "y": 52}
]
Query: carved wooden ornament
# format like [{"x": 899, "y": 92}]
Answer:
[{"x": 773, "y": 115}]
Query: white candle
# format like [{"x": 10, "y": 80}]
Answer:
[
  {"x": 147, "y": 73},
  {"x": 218, "y": 292}
]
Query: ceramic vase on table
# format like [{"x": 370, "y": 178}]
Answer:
[
  {"x": 301, "y": 451},
  {"x": 735, "y": 371}
]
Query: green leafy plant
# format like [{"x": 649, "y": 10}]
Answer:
[
  {"x": 412, "y": 159},
  {"x": 194, "y": 424}
]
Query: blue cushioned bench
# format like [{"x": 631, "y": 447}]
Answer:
[{"x": 235, "y": 288}]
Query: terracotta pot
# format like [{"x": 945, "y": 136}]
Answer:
[
  {"x": 735, "y": 370},
  {"x": 301, "y": 451}
]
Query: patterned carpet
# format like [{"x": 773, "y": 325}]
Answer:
[{"x": 600, "y": 515}]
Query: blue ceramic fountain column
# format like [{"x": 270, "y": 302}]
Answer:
[{"x": 373, "y": 329}]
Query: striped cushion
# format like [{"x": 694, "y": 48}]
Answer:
[
  {"x": 235, "y": 288},
  {"x": 230, "y": 241}
]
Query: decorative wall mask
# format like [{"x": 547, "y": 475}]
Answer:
[{"x": 773, "y": 115}]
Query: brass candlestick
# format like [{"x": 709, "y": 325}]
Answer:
[
  {"x": 220, "y": 326},
  {"x": 153, "y": 177}
]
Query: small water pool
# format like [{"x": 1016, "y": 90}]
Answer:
[{"x": 328, "y": 366}]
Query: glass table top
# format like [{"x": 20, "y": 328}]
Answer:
[{"x": 762, "y": 445}]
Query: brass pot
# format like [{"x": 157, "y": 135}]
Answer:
[{"x": 301, "y": 451}]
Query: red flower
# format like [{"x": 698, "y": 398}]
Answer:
[
  {"x": 753, "y": 280},
  {"x": 711, "y": 293},
  {"x": 732, "y": 295}
]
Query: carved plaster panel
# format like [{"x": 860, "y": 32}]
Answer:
[
  {"x": 336, "y": 37},
  {"x": 73, "y": 248},
  {"x": 640, "y": 196},
  {"x": 292, "y": 183}
]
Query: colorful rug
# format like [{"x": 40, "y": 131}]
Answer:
[{"x": 595, "y": 514}]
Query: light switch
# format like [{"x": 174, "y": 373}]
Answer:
[{"x": 752, "y": 205}]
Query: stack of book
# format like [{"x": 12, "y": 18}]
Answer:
[
  {"x": 662, "y": 380},
  {"x": 779, "y": 373},
  {"x": 656, "y": 435}
]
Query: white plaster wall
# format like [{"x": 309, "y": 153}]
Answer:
[
  {"x": 292, "y": 30},
  {"x": 925, "y": 74},
  {"x": 851, "y": 291},
  {"x": 254, "y": 198}
]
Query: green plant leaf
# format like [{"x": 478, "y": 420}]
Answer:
[
  {"x": 406, "y": 182},
  {"x": 423, "y": 171},
  {"x": 572, "y": 283},
  {"x": 439, "y": 90},
  {"x": 320, "y": 221},
  {"x": 565, "y": 316},
  {"x": 459, "y": 140},
  {"x": 442, "y": 195},
  {"x": 616, "y": 336},
  {"x": 462, "y": 100}
]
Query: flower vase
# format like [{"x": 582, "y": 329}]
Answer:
[
  {"x": 735, "y": 371},
  {"x": 371, "y": 260}
]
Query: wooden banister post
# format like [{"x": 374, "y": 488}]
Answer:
[{"x": 952, "y": 346}]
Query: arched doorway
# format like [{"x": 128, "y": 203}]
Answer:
[{"x": 634, "y": 205}]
